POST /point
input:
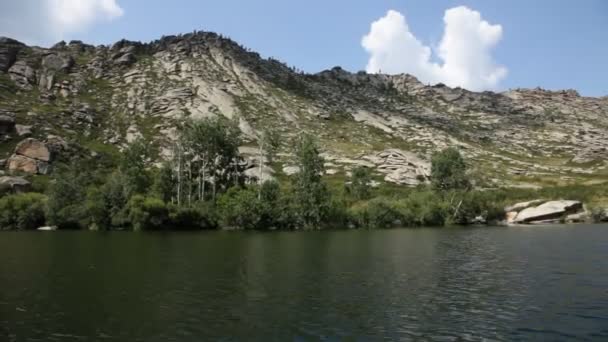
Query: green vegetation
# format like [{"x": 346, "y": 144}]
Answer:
[
  {"x": 204, "y": 187},
  {"x": 22, "y": 211}
]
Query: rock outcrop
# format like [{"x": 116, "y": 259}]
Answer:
[
  {"x": 9, "y": 48},
  {"x": 14, "y": 185},
  {"x": 33, "y": 156},
  {"x": 392, "y": 124},
  {"x": 551, "y": 211}
]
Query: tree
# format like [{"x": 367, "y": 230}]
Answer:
[
  {"x": 22, "y": 211},
  {"x": 147, "y": 213},
  {"x": 448, "y": 171},
  {"x": 360, "y": 181},
  {"x": 133, "y": 166},
  {"x": 310, "y": 193},
  {"x": 239, "y": 208},
  {"x": 66, "y": 196},
  {"x": 212, "y": 144},
  {"x": 449, "y": 174},
  {"x": 164, "y": 185},
  {"x": 269, "y": 143}
]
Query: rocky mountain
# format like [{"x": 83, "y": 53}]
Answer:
[{"x": 78, "y": 99}]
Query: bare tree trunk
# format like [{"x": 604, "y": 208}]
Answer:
[
  {"x": 261, "y": 161},
  {"x": 214, "y": 173},
  {"x": 190, "y": 183},
  {"x": 179, "y": 175}
]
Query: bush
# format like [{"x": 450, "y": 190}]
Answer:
[
  {"x": 189, "y": 218},
  {"x": 423, "y": 208},
  {"x": 448, "y": 171},
  {"x": 377, "y": 213},
  {"x": 147, "y": 213},
  {"x": 359, "y": 186},
  {"x": 240, "y": 208},
  {"x": 66, "y": 196},
  {"x": 22, "y": 211}
]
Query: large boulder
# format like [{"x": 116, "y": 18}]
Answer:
[
  {"x": 33, "y": 149},
  {"x": 33, "y": 156},
  {"x": 18, "y": 163},
  {"x": 23, "y": 75},
  {"x": 14, "y": 185},
  {"x": 57, "y": 62},
  {"x": 552, "y": 210},
  {"x": 7, "y": 123},
  {"x": 9, "y": 48}
]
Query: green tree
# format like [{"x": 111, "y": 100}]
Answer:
[
  {"x": 164, "y": 183},
  {"x": 22, "y": 211},
  {"x": 133, "y": 166},
  {"x": 212, "y": 145},
  {"x": 448, "y": 171},
  {"x": 239, "y": 208},
  {"x": 310, "y": 192},
  {"x": 66, "y": 196},
  {"x": 269, "y": 143},
  {"x": 360, "y": 183},
  {"x": 147, "y": 213}
]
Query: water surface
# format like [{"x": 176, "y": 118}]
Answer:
[{"x": 532, "y": 283}]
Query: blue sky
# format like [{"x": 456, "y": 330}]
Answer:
[{"x": 552, "y": 44}]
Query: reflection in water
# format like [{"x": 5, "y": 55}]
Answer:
[{"x": 451, "y": 284}]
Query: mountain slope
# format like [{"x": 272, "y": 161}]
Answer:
[{"x": 97, "y": 99}]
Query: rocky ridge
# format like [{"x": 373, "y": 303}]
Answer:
[{"x": 101, "y": 97}]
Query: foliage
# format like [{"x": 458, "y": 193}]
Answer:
[
  {"x": 240, "y": 208},
  {"x": 163, "y": 186},
  {"x": 66, "y": 194},
  {"x": 211, "y": 150},
  {"x": 310, "y": 192},
  {"x": 22, "y": 211},
  {"x": 147, "y": 213},
  {"x": 359, "y": 186},
  {"x": 448, "y": 171},
  {"x": 270, "y": 141},
  {"x": 379, "y": 212},
  {"x": 133, "y": 166},
  {"x": 190, "y": 218}
]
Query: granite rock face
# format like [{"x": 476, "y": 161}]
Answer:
[{"x": 392, "y": 124}]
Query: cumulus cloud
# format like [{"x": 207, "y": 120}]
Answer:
[
  {"x": 465, "y": 50},
  {"x": 47, "y": 21}
]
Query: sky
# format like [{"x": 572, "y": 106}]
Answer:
[{"x": 477, "y": 44}]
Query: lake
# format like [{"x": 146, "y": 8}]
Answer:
[{"x": 530, "y": 283}]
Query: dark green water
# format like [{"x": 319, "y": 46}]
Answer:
[{"x": 536, "y": 283}]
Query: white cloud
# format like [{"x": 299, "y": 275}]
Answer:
[
  {"x": 465, "y": 50},
  {"x": 48, "y": 21}
]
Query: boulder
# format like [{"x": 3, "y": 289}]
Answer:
[
  {"x": 517, "y": 207},
  {"x": 578, "y": 217},
  {"x": 254, "y": 174},
  {"x": 23, "y": 130},
  {"x": 33, "y": 149},
  {"x": 124, "y": 59},
  {"x": 7, "y": 123},
  {"x": 551, "y": 210},
  {"x": 291, "y": 170},
  {"x": 13, "y": 185},
  {"x": 56, "y": 144},
  {"x": 18, "y": 163},
  {"x": 56, "y": 62},
  {"x": 23, "y": 75},
  {"x": 9, "y": 48}
]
